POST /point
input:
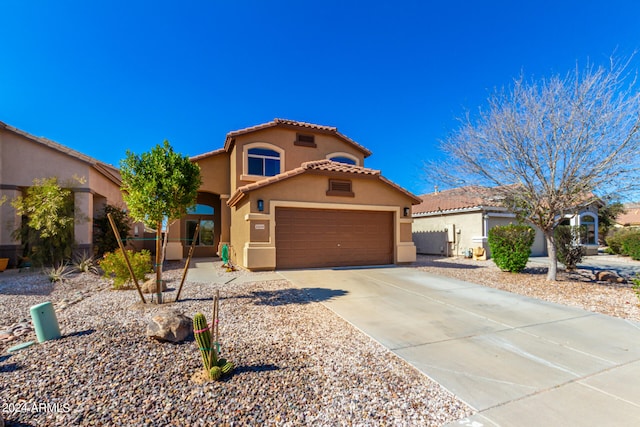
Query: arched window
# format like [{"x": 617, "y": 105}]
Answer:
[
  {"x": 205, "y": 234},
  {"x": 589, "y": 222},
  {"x": 342, "y": 159},
  {"x": 263, "y": 162}
]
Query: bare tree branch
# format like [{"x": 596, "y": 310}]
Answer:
[{"x": 551, "y": 144}]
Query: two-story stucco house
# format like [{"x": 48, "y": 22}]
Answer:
[
  {"x": 24, "y": 157},
  {"x": 288, "y": 194}
]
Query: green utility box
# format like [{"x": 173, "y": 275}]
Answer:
[{"x": 45, "y": 322}]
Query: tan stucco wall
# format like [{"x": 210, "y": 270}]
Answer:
[
  {"x": 215, "y": 174},
  {"x": 239, "y": 232},
  {"x": 462, "y": 228},
  {"x": 294, "y": 155},
  {"x": 471, "y": 227}
]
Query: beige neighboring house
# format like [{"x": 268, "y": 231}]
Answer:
[
  {"x": 24, "y": 157},
  {"x": 631, "y": 216},
  {"x": 288, "y": 194},
  {"x": 455, "y": 222}
]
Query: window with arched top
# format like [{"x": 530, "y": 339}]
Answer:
[
  {"x": 345, "y": 158},
  {"x": 588, "y": 221},
  {"x": 263, "y": 162},
  {"x": 205, "y": 234},
  {"x": 341, "y": 159},
  {"x": 260, "y": 159}
]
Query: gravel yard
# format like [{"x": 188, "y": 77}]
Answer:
[{"x": 296, "y": 362}]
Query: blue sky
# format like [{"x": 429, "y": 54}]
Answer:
[{"x": 106, "y": 76}]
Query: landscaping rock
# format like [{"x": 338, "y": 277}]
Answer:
[
  {"x": 170, "y": 325},
  {"x": 149, "y": 287},
  {"x": 609, "y": 276}
]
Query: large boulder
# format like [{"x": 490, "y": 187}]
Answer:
[
  {"x": 149, "y": 287},
  {"x": 609, "y": 276},
  {"x": 170, "y": 325}
]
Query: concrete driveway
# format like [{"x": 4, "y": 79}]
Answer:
[{"x": 518, "y": 361}]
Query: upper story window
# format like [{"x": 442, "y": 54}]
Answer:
[
  {"x": 263, "y": 162},
  {"x": 342, "y": 159}
]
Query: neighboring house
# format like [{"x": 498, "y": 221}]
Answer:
[
  {"x": 288, "y": 194},
  {"x": 24, "y": 157},
  {"x": 454, "y": 222},
  {"x": 631, "y": 216}
]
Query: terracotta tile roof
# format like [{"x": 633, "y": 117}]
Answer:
[
  {"x": 230, "y": 139},
  {"x": 207, "y": 154},
  {"x": 109, "y": 171},
  {"x": 317, "y": 166},
  {"x": 456, "y": 199},
  {"x": 631, "y": 216}
]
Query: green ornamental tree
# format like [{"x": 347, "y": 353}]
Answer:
[
  {"x": 158, "y": 187},
  {"x": 48, "y": 232}
]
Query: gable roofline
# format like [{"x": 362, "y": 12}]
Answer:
[
  {"x": 109, "y": 171},
  {"x": 322, "y": 167},
  {"x": 207, "y": 154},
  {"x": 292, "y": 124}
]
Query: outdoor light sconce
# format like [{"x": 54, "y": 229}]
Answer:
[
  {"x": 406, "y": 211},
  {"x": 260, "y": 205}
]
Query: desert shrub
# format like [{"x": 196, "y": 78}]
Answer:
[
  {"x": 569, "y": 250},
  {"x": 636, "y": 285},
  {"x": 615, "y": 238},
  {"x": 631, "y": 245},
  {"x": 511, "y": 246},
  {"x": 85, "y": 264},
  {"x": 58, "y": 274},
  {"x": 115, "y": 267}
]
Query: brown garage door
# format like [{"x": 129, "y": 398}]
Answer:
[{"x": 331, "y": 238}]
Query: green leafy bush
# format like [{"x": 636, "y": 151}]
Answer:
[
  {"x": 631, "y": 245},
  {"x": 115, "y": 267},
  {"x": 636, "y": 285},
  {"x": 511, "y": 246},
  {"x": 569, "y": 250},
  {"x": 104, "y": 240},
  {"x": 625, "y": 241}
]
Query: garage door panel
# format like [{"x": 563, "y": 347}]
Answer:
[{"x": 326, "y": 238}]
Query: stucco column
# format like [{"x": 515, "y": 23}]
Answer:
[
  {"x": 83, "y": 227},
  {"x": 225, "y": 222},
  {"x": 9, "y": 221},
  {"x": 175, "y": 246}
]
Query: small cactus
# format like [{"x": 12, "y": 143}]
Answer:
[
  {"x": 227, "y": 368},
  {"x": 215, "y": 373},
  {"x": 202, "y": 335},
  {"x": 214, "y": 367}
]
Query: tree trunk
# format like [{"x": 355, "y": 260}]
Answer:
[
  {"x": 553, "y": 259},
  {"x": 159, "y": 262}
]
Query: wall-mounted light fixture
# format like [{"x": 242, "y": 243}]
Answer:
[
  {"x": 406, "y": 211},
  {"x": 260, "y": 205}
]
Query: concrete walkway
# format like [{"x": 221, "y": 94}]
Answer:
[{"x": 516, "y": 360}]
